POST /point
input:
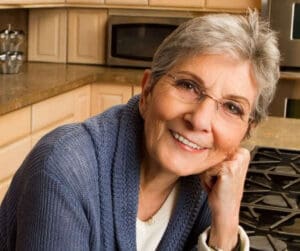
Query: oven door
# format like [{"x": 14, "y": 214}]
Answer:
[
  {"x": 292, "y": 108},
  {"x": 284, "y": 17}
]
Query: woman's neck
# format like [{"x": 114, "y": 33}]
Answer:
[{"x": 155, "y": 187}]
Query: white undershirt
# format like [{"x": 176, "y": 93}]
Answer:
[{"x": 150, "y": 232}]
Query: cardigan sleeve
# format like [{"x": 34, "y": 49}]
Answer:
[
  {"x": 48, "y": 205},
  {"x": 202, "y": 241},
  {"x": 49, "y": 218}
]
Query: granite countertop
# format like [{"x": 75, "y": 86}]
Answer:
[
  {"x": 39, "y": 81},
  {"x": 276, "y": 132}
]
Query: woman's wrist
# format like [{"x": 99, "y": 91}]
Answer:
[
  {"x": 237, "y": 247},
  {"x": 222, "y": 241},
  {"x": 223, "y": 234},
  {"x": 242, "y": 243}
]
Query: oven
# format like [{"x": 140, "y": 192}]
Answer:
[
  {"x": 284, "y": 17},
  {"x": 286, "y": 102},
  {"x": 270, "y": 211}
]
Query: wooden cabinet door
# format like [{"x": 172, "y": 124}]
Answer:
[
  {"x": 3, "y": 188},
  {"x": 14, "y": 144},
  {"x": 137, "y": 90},
  {"x": 127, "y": 2},
  {"x": 107, "y": 95},
  {"x": 43, "y": 1},
  {"x": 14, "y": 126},
  {"x": 11, "y": 158},
  {"x": 229, "y": 4},
  {"x": 177, "y": 3},
  {"x": 47, "y": 39},
  {"x": 52, "y": 111},
  {"x": 85, "y": 1},
  {"x": 73, "y": 106},
  {"x": 82, "y": 104},
  {"x": 87, "y": 36},
  {"x": 40, "y": 2}
]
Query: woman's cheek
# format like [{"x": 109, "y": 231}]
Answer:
[{"x": 228, "y": 143}]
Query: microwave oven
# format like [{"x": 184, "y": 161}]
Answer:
[
  {"x": 284, "y": 17},
  {"x": 133, "y": 40}
]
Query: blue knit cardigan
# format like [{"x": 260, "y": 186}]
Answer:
[{"x": 78, "y": 190}]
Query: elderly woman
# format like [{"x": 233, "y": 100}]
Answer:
[{"x": 164, "y": 172}]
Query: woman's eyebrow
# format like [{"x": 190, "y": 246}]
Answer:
[{"x": 194, "y": 76}]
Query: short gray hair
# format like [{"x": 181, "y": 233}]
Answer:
[{"x": 244, "y": 37}]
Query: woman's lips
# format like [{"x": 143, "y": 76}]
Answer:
[{"x": 186, "y": 142}]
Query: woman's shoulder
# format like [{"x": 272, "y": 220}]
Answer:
[{"x": 66, "y": 153}]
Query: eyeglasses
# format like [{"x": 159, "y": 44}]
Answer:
[{"x": 190, "y": 91}]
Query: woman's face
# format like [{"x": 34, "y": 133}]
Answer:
[{"x": 187, "y": 138}]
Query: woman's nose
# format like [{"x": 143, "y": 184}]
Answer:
[{"x": 201, "y": 116}]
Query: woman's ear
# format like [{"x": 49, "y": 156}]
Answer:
[{"x": 146, "y": 88}]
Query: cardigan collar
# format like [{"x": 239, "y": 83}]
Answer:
[{"x": 125, "y": 187}]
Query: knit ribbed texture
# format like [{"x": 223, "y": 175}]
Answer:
[{"x": 78, "y": 190}]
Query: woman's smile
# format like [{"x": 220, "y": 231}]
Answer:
[{"x": 186, "y": 143}]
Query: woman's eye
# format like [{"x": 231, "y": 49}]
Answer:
[
  {"x": 187, "y": 84},
  {"x": 233, "y": 108}
]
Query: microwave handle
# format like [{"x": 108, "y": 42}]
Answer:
[{"x": 265, "y": 9}]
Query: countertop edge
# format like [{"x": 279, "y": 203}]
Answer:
[{"x": 100, "y": 74}]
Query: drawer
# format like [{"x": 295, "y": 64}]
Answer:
[
  {"x": 3, "y": 188},
  {"x": 127, "y": 2},
  {"x": 14, "y": 125},
  {"x": 177, "y": 3},
  {"x": 52, "y": 110},
  {"x": 137, "y": 90},
  {"x": 229, "y": 4},
  {"x": 35, "y": 137},
  {"x": 12, "y": 156},
  {"x": 107, "y": 95}
]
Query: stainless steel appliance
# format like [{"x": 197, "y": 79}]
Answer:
[
  {"x": 284, "y": 17},
  {"x": 132, "y": 40},
  {"x": 292, "y": 108},
  {"x": 270, "y": 211},
  {"x": 11, "y": 59}
]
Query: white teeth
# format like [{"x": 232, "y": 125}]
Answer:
[{"x": 185, "y": 141}]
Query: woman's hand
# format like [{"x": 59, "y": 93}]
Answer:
[{"x": 224, "y": 184}]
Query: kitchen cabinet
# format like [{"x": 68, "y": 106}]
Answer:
[
  {"x": 30, "y": 1},
  {"x": 47, "y": 38},
  {"x": 20, "y": 130},
  {"x": 43, "y": 1},
  {"x": 85, "y": 1},
  {"x": 127, "y": 2},
  {"x": 137, "y": 90},
  {"x": 105, "y": 95},
  {"x": 87, "y": 36},
  {"x": 229, "y": 4},
  {"x": 73, "y": 106},
  {"x": 3, "y": 188},
  {"x": 15, "y": 144},
  {"x": 177, "y": 3}
]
